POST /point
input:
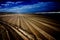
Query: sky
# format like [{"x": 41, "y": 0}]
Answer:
[{"x": 29, "y": 6}]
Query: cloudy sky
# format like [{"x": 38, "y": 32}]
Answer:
[{"x": 29, "y": 6}]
